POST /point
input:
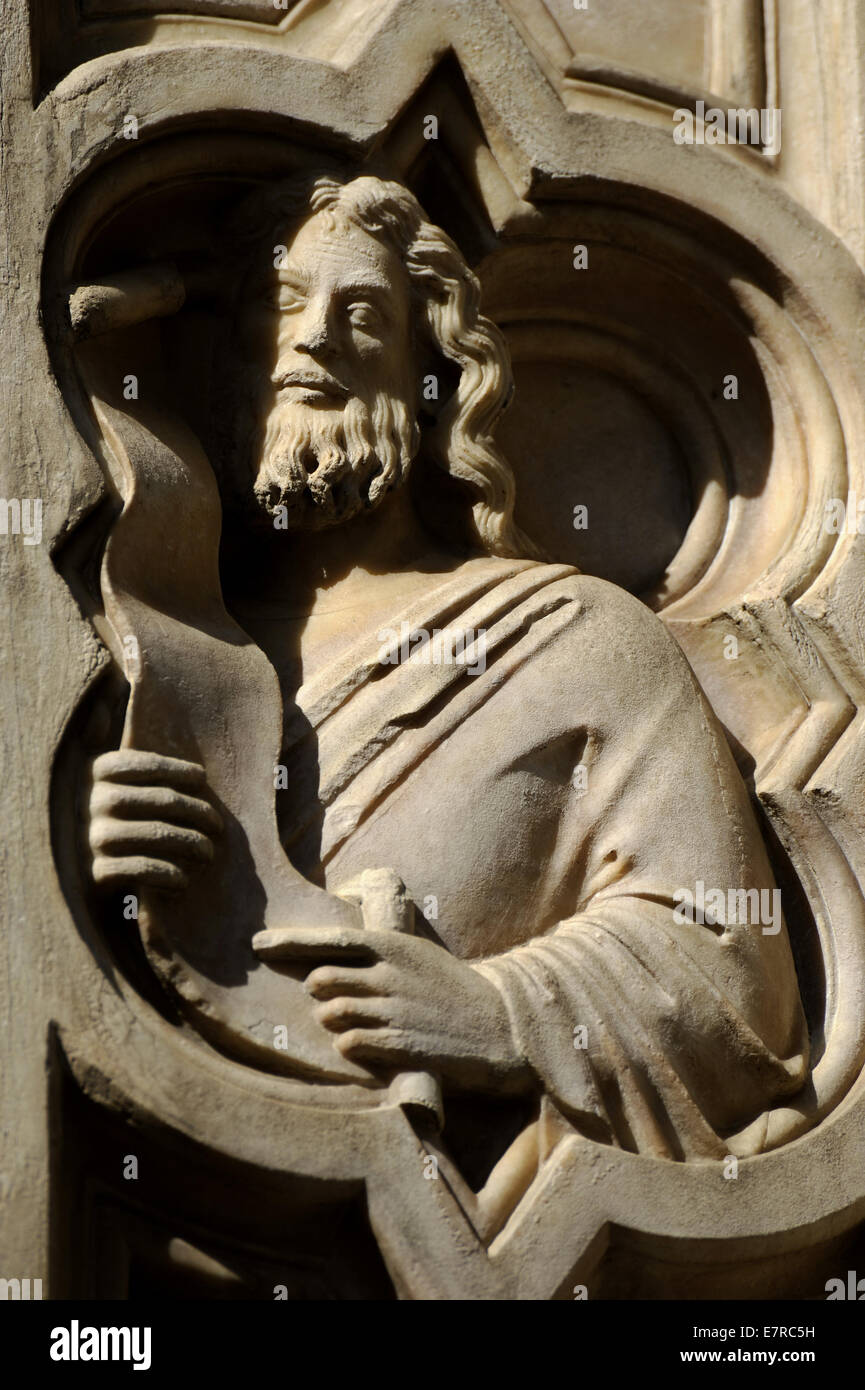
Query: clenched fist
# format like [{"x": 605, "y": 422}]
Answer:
[{"x": 151, "y": 819}]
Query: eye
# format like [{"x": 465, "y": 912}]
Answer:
[
  {"x": 364, "y": 315},
  {"x": 284, "y": 297}
]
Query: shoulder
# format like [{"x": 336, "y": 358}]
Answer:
[
  {"x": 613, "y": 624},
  {"x": 610, "y": 646}
]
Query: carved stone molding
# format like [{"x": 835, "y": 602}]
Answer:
[{"x": 704, "y": 263}]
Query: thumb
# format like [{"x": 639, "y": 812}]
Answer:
[{"x": 382, "y": 898}]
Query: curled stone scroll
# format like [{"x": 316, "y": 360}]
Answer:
[{"x": 184, "y": 656}]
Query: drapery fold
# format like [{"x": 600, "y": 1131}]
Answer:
[
  {"x": 686, "y": 1031},
  {"x": 630, "y": 1037}
]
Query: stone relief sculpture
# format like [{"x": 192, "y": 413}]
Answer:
[
  {"x": 436, "y": 703},
  {"x": 518, "y": 744}
]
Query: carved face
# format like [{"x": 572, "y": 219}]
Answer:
[{"x": 329, "y": 332}]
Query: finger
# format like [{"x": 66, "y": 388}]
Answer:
[
  {"x": 378, "y": 1045},
  {"x": 338, "y": 1015},
  {"x": 154, "y": 838},
  {"x": 314, "y": 943},
  {"x": 154, "y": 803},
  {"x": 116, "y": 871},
  {"x": 131, "y": 765},
  {"x": 330, "y": 981}
]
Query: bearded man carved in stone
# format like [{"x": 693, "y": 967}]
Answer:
[{"x": 544, "y": 804}]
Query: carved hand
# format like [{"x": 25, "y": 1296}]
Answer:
[
  {"x": 151, "y": 820},
  {"x": 402, "y": 1001}
]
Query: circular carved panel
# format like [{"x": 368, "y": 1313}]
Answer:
[{"x": 585, "y": 438}]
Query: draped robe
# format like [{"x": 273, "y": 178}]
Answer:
[{"x": 664, "y": 1037}]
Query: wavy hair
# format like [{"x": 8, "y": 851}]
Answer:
[{"x": 447, "y": 296}]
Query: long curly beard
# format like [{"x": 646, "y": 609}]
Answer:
[{"x": 324, "y": 466}]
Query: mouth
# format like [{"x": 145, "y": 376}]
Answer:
[{"x": 310, "y": 386}]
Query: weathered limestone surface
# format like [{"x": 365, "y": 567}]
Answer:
[{"x": 434, "y": 648}]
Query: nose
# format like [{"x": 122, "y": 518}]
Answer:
[{"x": 314, "y": 331}]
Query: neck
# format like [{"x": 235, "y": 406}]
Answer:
[{"x": 303, "y": 570}]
